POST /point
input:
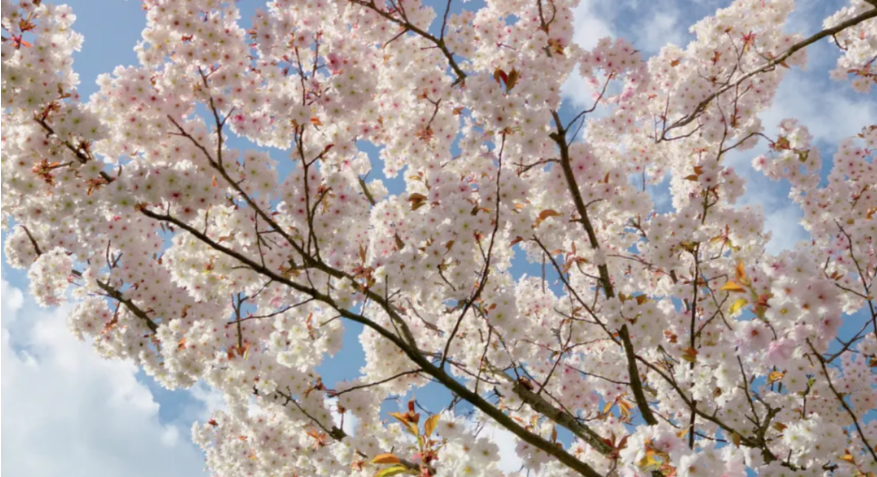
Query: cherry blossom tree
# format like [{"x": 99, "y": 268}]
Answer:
[{"x": 663, "y": 343}]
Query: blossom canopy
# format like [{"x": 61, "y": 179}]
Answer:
[{"x": 663, "y": 342}]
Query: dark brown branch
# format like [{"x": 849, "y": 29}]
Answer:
[
  {"x": 404, "y": 23},
  {"x": 559, "y": 137},
  {"x": 376, "y": 383},
  {"x": 110, "y": 291},
  {"x": 409, "y": 350},
  {"x": 565, "y": 420},
  {"x": 134, "y": 309},
  {"x": 81, "y": 156}
]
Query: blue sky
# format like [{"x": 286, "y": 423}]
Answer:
[{"x": 74, "y": 414}]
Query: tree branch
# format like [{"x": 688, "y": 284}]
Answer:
[{"x": 636, "y": 384}]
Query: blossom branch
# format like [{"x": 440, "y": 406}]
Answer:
[
  {"x": 769, "y": 66},
  {"x": 486, "y": 270},
  {"x": 559, "y": 138},
  {"x": 111, "y": 291},
  {"x": 408, "y": 26},
  {"x": 843, "y": 402},
  {"x": 410, "y": 351},
  {"x": 376, "y": 383}
]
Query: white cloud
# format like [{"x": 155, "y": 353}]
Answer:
[
  {"x": 786, "y": 231},
  {"x": 589, "y": 26},
  {"x": 661, "y": 24},
  {"x": 589, "y": 29},
  {"x": 659, "y": 30},
  {"x": 781, "y": 215},
  {"x": 348, "y": 425},
  {"x": 827, "y": 108},
  {"x": 509, "y": 460},
  {"x": 209, "y": 400},
  {"x": 69, "y": 412},
  {"x": 11, "y": 302}
]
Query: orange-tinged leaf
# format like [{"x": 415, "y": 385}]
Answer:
[
  {"x": 544, "y": 215},
  {"x": 316, "y": 121},
  {"x": 782, "y": 143},
  {"x": 625, "y": 413},
  {"x": 392, "y": 471},
  {"x": 649, "y": 463},
  {"x": 386, "y": 459},
  {"x": 690, "y": 355},
  {"x": 512, "y": 79},
  {"x": 430, "y": 424},
  {"x": 740, "y": 273},
  {"x": 692, "y": 177},
  {"x": 732, "y": 287},
  {"x": 676, "y": 62},
  {"x": 500, "y": 76},
  {"x": 417, "y": 200},
  {"x": 400, "y": 416},
  {"x": 548, "y": 213},
  {"x": 775, "y": 376},
  {"x": 111, "y": 325},
  {"x": 738, "y": 305},
  {"x": 403, "y": 418}
]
